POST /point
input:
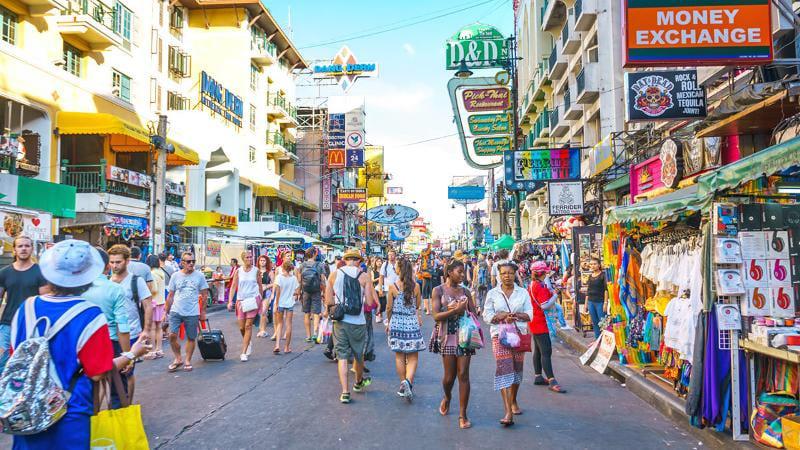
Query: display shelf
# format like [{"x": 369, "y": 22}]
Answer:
[{"x": 772, "y": 352}]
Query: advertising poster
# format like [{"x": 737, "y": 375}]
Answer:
[
  {"x": 587, "y": 243},
  {"x": 664, "y": 95},
  {"x": 605, "y": 351},
  {"x": 38, "y": 227},
  {"x": 114, "y": 173},
  {"x": 667, "y": 33}
]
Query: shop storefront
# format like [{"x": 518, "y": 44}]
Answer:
[
  {"x": 704, "y": 287},
  {"x": 107, "y": 229}
]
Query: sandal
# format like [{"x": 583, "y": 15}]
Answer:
[
  {"x": 261, "y": 334},
  {"x": 518, "y": 412},
  {"x": 276, "y": 351},
  {"x": 272, "y": 338},
  {"x": 444, "y": 407},
  {"x": 539, "y": 381},
  {"x": 506, "y": 422},
  {"x": 173, "y": 367},
  {"x": 555, "y": 387},
  {"x": 464, "y": 423},
  {"x": 150, "y": 356},
  {"x": 345, "y": 397},
  {"x": 187, "y": 368}
]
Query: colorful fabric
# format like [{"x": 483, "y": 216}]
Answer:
[
  {"x": 510, "y": 365},
  {"x": 405, "y": 335}
]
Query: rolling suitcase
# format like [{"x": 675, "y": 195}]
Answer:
[{"x": 211, "y": 343}]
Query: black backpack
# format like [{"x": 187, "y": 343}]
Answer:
[
  {"x": 310, "y": 277},
  {"x": 352, "y": 303},
  {"x": 135, "y": 298}
]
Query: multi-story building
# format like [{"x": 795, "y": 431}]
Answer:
[{"x": 570, "y": 75}]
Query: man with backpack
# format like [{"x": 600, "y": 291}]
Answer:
[
  {"x": 481, "y": 281},
  {"x": 311, "y": 277},
  {"x": 348, "y": 289},
  {"x": 138, "y": 300}
]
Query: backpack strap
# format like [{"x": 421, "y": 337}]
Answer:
[
  {"x": 66, "y": 318},
  {"x": 135, "y": 288},
  {"x": 31, "y": 320}
]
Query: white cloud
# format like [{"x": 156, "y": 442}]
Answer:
[{"x": 409, "y": 49}]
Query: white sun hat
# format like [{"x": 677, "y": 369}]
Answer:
[{"x": 71, "y": 263}]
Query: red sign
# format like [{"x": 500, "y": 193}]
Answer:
[
  {"x": 336, "y": 159},
  {"x": 645, "y": 177},
  {"x": 487, "y": 99}
]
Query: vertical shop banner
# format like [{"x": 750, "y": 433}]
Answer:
[
  {"x": 336, "y": 138},
  {"x": 326, "y": 193},
  {"x": 664, "y": 95},
  {"x": 565, "y": 198},
  {"x": 526, "y": 169},
  {"x": 672, "y": 33}
]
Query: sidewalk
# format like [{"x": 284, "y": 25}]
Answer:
[{"x": 661, "y": 399}]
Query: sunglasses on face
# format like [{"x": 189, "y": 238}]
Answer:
[{"x": 189, "y": 261}]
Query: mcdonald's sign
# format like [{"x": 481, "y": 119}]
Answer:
[{"x": 336, "y": 159}]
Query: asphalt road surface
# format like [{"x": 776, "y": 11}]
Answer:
[{"x": 291, "y": 401}]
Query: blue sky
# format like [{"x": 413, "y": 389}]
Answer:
[{"x": 408, "y": 102}]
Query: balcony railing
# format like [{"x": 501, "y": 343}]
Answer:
[
  {"x": 567, "y": 99},
  {"x": 91, "y": 178},
  {"x": 551, "y": 61},
  {"x": 578, "y": 8},
  {"x": 281, "y": 102},
  {"x": 277, "y": 138},
  {"x": 554, "y": 117},
  {"x": 174, "y": 200},
  {"x": 543, "y": 11},
  {"x": 541, "y": 123},
  {"x": 244, "y": 214},
  {"x": 287, "y": 219},
  {"x": 580, "y": 79},
  {"x": 99, "y": 11},
  {"x": 565, "y": 34}
]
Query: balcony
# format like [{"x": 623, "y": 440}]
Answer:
[
  {"x": 174, "y": 200},
  {"x": 570, "y": 42},
  {"x": 281, "y": 109},
  {"x": 558, "y": 127},
  {"x": 557, "y": 64},
  {"x": 572, "y": 111},
  {"x": 244, "y": 214},
  {"x": 541, "y": 129},
  {"x": 262, "y": 52},
  {"x": 91, "y": 179},
  {"x": 286, "y": 219},
  {"x": 553, "y": 14},
  {"x": 277, "y": 142},
  {"x": 37, "y": 8},
  {"x": 587, "y": 85},
  {"x": 89, "y": 20},
  {"x": 585, "y": 14}
]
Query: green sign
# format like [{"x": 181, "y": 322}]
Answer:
[
  {"x": 482, "y": 124},
  {"x": 480, "y": 46},
  {"x": 491, "y": 146}
]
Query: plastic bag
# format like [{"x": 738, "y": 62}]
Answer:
[
  {"x": 470, "y": 335},
  {"x": 509, "y": 336},
  {"x": 325, "y": 330}
]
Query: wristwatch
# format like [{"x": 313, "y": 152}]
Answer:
[{"x": 129, "y": 355}]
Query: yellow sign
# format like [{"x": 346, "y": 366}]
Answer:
[
  {"x": 210, "y": 219},
  {"x": 372, "y": 170}
]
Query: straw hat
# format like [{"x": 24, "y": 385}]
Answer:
[
  {"x": 352, "y": 254},
  {"x": 71, "y": 263},
  {"x": 459, "y": 256}
]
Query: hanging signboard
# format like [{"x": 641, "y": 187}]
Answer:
[
  {"x": 354, "y": 157},
  {"x": 393, "y": 215},
  {"x": 326, "y": 194},
  {"x": 664, "y": 95},
  {"x": 345, "y": 69},
  {"x": 400, "y": 232},
  {"x": 488, "y": 99},
  {"x": 480, "y": 124},
  {"x": 491, "y": 146},
  {"x": 37, "y": 226},
  {"x": 466, "y": 192},
  {"x": 565, "y": 198},
  {"x": 671, "y": 156},
  {"x": 336, "y": 141},
  {"x": 353, "y": 195},
  {"x": 394, "y": 190},
  {"x": 524, "y": 168},
  {"x": 127, "y": 227},
  {"x": 479, "y": 46},
  {"x": 669, "y": 33},
  {"x": 114, "y": 173},
  {"x": 486, "y": 135}
]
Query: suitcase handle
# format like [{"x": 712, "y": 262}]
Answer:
[{"x": 207, "y": 325}]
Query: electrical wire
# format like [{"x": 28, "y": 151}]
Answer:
[{"x": 395, "y": 28}]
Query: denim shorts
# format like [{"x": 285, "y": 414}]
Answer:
[
  {"x": 5, "y": 345},
  {"x": 190, "y": 323},
  {"x": 282, "y": 309}
]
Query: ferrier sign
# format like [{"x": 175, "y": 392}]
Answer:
[
  {"x": 670, "y": 33},
  {"x": 664, "y": 95},
  {"x": 565, "y": 198}
]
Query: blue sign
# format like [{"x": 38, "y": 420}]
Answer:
[
  {"x": 488, "y": 238},
  {"x": 466, "y": 192},
  {"x": 220, "y": 100},
  {"x": 354, "y": 157},
  {"x": 392, "y": 214}
]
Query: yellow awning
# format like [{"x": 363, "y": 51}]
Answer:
[
  {"x": 269, "y": 191},
  {"x": 210, "y": 219},
  {"x": 104, "y": 123}
]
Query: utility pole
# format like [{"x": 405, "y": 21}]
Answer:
[
  {"x": 512, "y": 53},
  {"x": 158, "y": 193}
]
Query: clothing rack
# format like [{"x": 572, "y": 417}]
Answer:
[{"x": 670, "y": 237}]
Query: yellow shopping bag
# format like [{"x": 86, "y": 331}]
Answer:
[{"x": 117, "y": 429}]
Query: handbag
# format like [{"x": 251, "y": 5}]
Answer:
[
  {"x": 249, "y": 304},
  {"x": 524, "y": 339},
  {"x": 117, "y": 428}
]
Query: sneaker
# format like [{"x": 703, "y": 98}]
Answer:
[
  {"x": 345, "y": 397},
  {"x": 402, "y": 391},
  {"x": 328, "y": 354},
  {"x": 243, "y": 357},
  {"x": 409, "y": 390},
  {"x": 314, "y": 338},
  {"x": 308, "y": 339},
  {"x": 361, "y": 385},
  {"x": 249, "y": 349}
]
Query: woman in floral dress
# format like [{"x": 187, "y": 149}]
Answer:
[{"x": 405, "y": 318}]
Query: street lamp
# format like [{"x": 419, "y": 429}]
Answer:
[{"x": 463, "y": 71}]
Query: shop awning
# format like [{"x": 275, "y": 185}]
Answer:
[
  {"x": 766, "y": 162},
  {"x": 210, "y": 219},
  {"x": 663, "y": 207},
  {"x": 619, "y": 183},
  {"x": 269, "y": 191},
  {"x": 86, "y": 219},
  {"x": 103, "y": 123},
  {"x": 293, "y": 236}
]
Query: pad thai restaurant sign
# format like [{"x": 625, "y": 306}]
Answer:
[{"x": 671, "y": 33}]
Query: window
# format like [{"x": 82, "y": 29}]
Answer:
[
  {"x": 72, "y": 60},
  {"x": 180, "y": 63},
  {"x": 177, "y": 102},
  {"x": 252, "y": 154},
  {"x": 253, "y": 77},
  {"x": 122, "y": 21},
  {"x": 8, "y": 26},
  {"x": 121, "y": 85},
  {"x": 252, "y": 118},
  {"x": 176, "y": 18}
]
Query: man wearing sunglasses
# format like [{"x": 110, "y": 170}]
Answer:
[{"x": 187, "y": 292}]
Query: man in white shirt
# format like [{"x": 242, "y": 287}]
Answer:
[{"x": 387, "y": 277}]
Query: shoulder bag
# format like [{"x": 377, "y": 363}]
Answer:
[{"x": 524, "y": 339}]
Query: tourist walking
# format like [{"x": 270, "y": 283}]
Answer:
[
  {"x": 404, "y": 316},
  {"x": 542, "y": 298},
  {"x": 387, "y": 277},
  {"x": 18, "y": 281},
  {"x": 267, "y": 275},
  {"x": 246, "y": 284},
  {"x": 596, "y": 295},
  {"x": 311, "y": 276},
  {"x": 159, "y": 300},
  {"x": 481, "y": 282},
  {"x": 450, "y": 301},
  {"x": 287, "y": 290},
  {"x": 508, "y": 305},
  {"x": 140, "y": 269},
  {"x": 349, "y": 290},
  {"x": 186, "y": 287}
]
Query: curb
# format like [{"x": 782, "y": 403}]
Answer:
[{"x": 662, "y": 400}]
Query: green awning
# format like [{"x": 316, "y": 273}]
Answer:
[
  {"x": 659, "y": 208},
  {"x": 30, "y": 193},
  {"x": 505, "y": 241},
  {"x": 619, "y": 183},
  {"x": 766, "y": 162}
]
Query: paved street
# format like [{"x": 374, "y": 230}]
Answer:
[{"x": 291, "y": 401}]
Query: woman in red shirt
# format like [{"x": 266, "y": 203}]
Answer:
[{"x": 542, "y": 298}]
